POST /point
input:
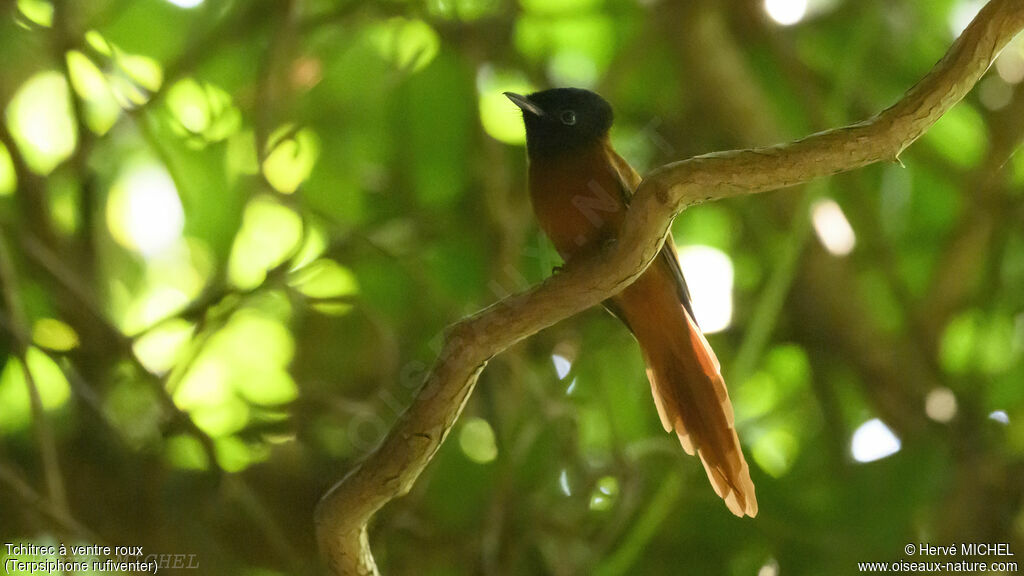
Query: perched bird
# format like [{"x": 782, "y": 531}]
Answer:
[{"x": 580, "y": 190}]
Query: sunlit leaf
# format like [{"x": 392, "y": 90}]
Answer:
[
  {"x": 185, "y": 452},
  {"x": 254, "y": 339},
  {"x": 291, "y": 155},
  {"x": 234, "y": 455},
  {"x": 205, "y": 385},
  {"x": 408, "y": 44},
  {"x": 49, "y": 380},
  {"x": 269, "y": 233},
  {"x": 90, "y": 84},
  {"x": 222, "y": 419},
  {"x": 152, "y": 303},
  {"x": 39, "y": 12},
  {"x": 313, "y": 246},
  {"x": 324, "y": 279},
  {"x": 40, "y": 119},
  {"x": 135, "y": 79},
  {"x": 159, "y": 348},
  {"x": 145, "y": 71},
  {"x": 476, "y": 438},
  {"x": 245, "y": 360},
  {"x": 203, "y": 112},
  {"x": 53, "y": 334},
  {"x": 97, "y": 42},
  {"x": 267, "y": 387}
]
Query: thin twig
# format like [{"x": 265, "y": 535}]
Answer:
[{"x": 40, "y": 422}]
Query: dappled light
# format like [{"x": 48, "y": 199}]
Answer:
[
  {"x": 52, "y": 334},
  {"x": 962, "y": 13},
  {"x": 186, "y": 3},
  {"x": 44, "y": 376},
  {"x": 477, "y": 441},
  {"x": 39, "y": 117},
  {"x": 786, "y": 12},
  {"x": 204, "y": 112},
  {"x": 270, "y": 232},
  {"x": 940, "y": 405},
  {"x": 144, "y": 211},
  {"x": 1000, "y": 416},
  {"x": 291, "y": 154},
  {"x": 37, "y": 12},
  {"x": 873, "y": 440},
  {"x": 283, "y": 293},
  {"x": 562, "y": 365},
  {"x": 101, "y": 108},
  {"x": 833, "y": 229},
  {"x": 709, "y": 275}
]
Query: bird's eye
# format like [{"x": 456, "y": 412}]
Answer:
[{"x": 568, "y": 117}]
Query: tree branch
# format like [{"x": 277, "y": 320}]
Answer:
[{"x": 391, "y": 470}]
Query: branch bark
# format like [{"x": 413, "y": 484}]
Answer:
[{"x": 390, "y": 470}]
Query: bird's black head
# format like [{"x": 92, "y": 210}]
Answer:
[{"x": 562, "y": 119}]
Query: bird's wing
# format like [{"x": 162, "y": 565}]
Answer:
[{"x": 630, "y": 181}]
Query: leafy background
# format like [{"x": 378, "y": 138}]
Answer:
[{"x": 233, "y": 232}]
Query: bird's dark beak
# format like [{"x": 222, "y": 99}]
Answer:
[{"x": 524, "y": 104}]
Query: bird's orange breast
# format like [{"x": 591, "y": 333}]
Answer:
[{"x": 578, "y": 200}]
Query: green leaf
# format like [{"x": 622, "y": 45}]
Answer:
[
  {"x": 291, "y": 155},
  {"x": 40, "y": 119},
  {"x": 49, "y": 380},
  {"x": 476, "y": 438}
]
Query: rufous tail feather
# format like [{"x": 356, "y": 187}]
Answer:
[{"x": 691, "y": 398}]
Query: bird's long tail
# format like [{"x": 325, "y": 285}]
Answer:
[{"x": 692, "y": 400}]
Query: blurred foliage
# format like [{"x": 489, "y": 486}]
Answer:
[{"x": 234, "y": 231}]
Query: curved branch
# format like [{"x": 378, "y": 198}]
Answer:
[{"x": 391, "y": 469}]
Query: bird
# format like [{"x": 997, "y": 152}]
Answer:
[{"x": 580, "y": 189}]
